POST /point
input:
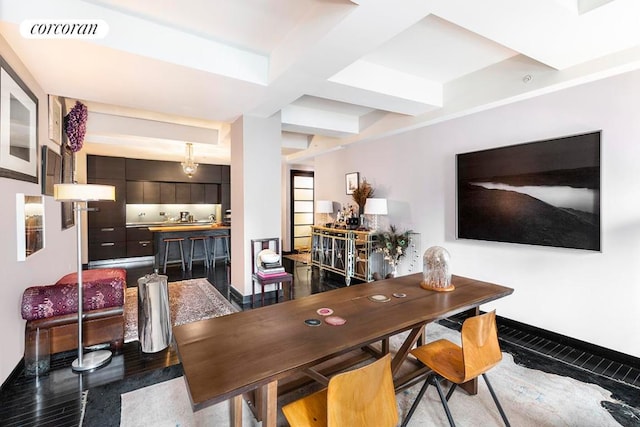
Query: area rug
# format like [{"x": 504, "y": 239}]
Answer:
[
  {"x": 189, "y": 301},
  {"x": 529, "y": 397}
]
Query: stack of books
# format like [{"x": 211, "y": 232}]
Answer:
[{"x": 268, "y": 270}]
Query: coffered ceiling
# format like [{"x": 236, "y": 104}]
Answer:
[{"x": 337, "y": 71}]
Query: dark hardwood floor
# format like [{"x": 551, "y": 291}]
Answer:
[{"x": 56, "y": 398}]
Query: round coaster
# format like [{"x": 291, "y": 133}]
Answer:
[
  {"x": 399, "y": 295},
  {"x": 335, "y": 320},
  {"x": 324, "y": 311},
  {"x": 313, "y": 322},
  {"x": 379, "y": 298}
]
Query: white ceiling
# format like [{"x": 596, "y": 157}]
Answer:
[{"x": 337, "y": 71}]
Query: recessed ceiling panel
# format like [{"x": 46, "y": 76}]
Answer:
[{"x": 437, "y": 50}]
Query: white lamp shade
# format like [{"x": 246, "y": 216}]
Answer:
[
  {"x": 83, "y": 192},
  {"x": 376, "y": 206},
  {"x": 324, "y": 206}
]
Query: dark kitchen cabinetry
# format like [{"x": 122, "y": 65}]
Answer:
[
  {"x": 183, "y": 193},
  {"x": 163, "y": 171},
  {"x": 106, "y": 220},
  {"x": 139, "y": 242},
  {"x": 167, "y": 193},
  {"x": 212, "y": 193},
  {"x": 105, "y": 167},
  {"x": 225, "y": 196},
  {"x": 145, "y": 182},
  {"x": 197, "y": 193},
  {"x": 139, "y": 192}
]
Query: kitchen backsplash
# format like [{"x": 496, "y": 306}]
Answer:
[{"x": 154, "y": 213}]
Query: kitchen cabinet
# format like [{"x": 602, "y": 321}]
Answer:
[
  {"x": 139, "y": 192},
  {"x": 139, "y": 242},
  {"x": 197, "y": 193},
  {"x": 167, "y": 193},
  {"x": 164, "y": 171},
  {"x": 225, "y": 196},
  {"x": 183, "y": 193},
  {"x": 105, "y": 167},
  {"x": 106, "y": 220},
  {"x": 212, "y": 193}
]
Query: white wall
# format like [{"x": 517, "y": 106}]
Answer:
[
  {"x": 591, "y": 296},
  {"x": 45, "y": 266}
]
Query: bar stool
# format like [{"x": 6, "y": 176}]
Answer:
[
  {"x": 225, "y": 255},
  {"x": 167, "y": 242},
  {"x": 205, "y": 250}
]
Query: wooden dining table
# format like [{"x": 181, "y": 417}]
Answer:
[{"x": 253, "y": 350}]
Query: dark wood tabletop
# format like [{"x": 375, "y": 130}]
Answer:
[{"x": 226, "y": 356}]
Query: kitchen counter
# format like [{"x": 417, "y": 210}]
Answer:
[
  {"x": 187, "y": 227},
  {"x": 185, "y": 231}
]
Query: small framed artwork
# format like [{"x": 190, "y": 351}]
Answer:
[
  {"x": 18, "y": 127},
  {"x": 55, "y": 119},
  {"x": 351, "y": 181},
  {"x": 51, "y": 170},
  {"x": 68, "y": 220}
]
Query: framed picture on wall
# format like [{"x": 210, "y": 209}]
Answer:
[
  {"x": 55, "y": 119},
  {"x": 18, "y": 127},
  {"x": 51, "y": 170},
  {"x": 539, "y": 193},
  {"x": 351, "y": 182},
  {"x": 67, "y": 178}
]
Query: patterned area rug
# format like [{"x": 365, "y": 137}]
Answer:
[{"x": 189, "y": 301}]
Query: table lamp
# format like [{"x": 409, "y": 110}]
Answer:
[
  {"x": 79, "y": 193},
  {"x": 325, "y": 207},
  {"x": 375, "y": 206}
]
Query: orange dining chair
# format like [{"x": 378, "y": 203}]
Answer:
[
  {"x": 361, "y": 397},
  {"x": 480, "y": 352}
]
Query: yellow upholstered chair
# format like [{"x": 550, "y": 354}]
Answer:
[
  {"x": 480, "y": 352},
  {"x": 362, "y": 397}
]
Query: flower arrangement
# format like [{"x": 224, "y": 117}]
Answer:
[
  {"x": 393, "y": 245},
  {"x": 362, "y": 193},
  {"x": 75, "y": 126}
]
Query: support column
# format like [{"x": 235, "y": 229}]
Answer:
[{"x": 256, "y": 190}]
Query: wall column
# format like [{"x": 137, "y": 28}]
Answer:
[{"x": 256, "y": 190}]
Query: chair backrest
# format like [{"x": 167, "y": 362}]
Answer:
[
  {"x": 363, "y": 396},
  {"x": 480, "y": 347},
  {"x": 258, "y": 245}
]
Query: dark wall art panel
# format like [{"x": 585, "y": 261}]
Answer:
[{"x": 540, "y": 193}]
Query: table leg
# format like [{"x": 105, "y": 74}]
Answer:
[
  {"x": 236, "y": 411},
  {"x": 268, "y": 405}
]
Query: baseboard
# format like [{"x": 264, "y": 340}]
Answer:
[
  {"x": 245, "y": 300},
  {"x": 587, "y": 347}
]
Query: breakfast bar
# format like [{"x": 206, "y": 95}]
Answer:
[{"x": 184, "y": 231}]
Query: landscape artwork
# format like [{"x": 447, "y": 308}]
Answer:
[{"x": 540, "y": 193}]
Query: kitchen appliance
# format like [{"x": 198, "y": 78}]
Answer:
[{"x": 184, "y": 216}]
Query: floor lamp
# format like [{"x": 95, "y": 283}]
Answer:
[{"x": 79, "y": 193}]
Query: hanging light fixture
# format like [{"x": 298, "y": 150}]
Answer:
[{"x": 189, "y": 166}]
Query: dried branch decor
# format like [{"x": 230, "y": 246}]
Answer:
[{"x": 362, "y": 193}]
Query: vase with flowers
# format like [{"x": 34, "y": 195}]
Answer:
[{"x": 393, "y": 246}]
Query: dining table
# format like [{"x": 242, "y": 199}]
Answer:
[{"x": 252, "y": 351}]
